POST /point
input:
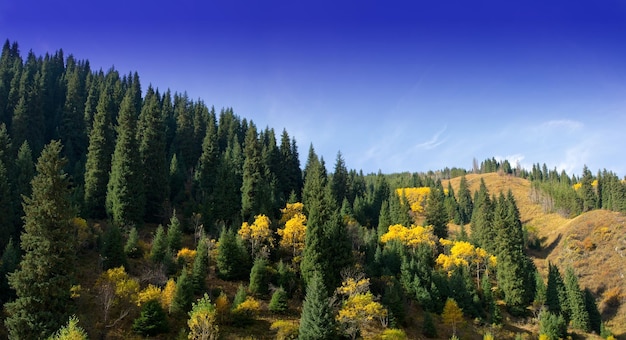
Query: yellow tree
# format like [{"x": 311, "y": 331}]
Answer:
[
  {"x": 168, "y": 294},
  {"x": 257, "y": 233},
  {"x": 151, "y": 292},
  {"x": 203, "y": 320},
  {"x": 416, "y": 198},
  {"x": 358, "y": 314},
  {"x": 117, "y": 289},
  {"x": 464, "y": 254},
  {"x": 290, "y": 210},
  {"x": 293, "y": 235},
  {"x": 452, "y": 315},
  {"x": 411, "y": 237}
]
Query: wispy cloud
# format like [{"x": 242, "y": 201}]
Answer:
[
  {"x": 434, "y": 142},
  {"x": 562, "y": 124}
]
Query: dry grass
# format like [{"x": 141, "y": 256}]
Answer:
[{"x": 594, "y": 244}]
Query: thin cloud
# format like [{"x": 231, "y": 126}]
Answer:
[
  {"x": 434, "y": 142},
  {"x": 567, "y": 124}
]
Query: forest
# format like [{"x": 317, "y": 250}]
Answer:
[{"x": 129, "y": 213}]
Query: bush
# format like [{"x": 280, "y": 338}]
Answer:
[
  {"x": 285, "y": 330},
  {"x": 393, "y": 334}
]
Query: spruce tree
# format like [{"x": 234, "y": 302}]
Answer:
[
  {"x": 595, "y": 318},
  {"x": 232, "y": 257},
  {"x": 23, "y": 174},
  {"x": 200, "y": 266},
  {"x": 112, "y": 251},
  {"x": 465, "y": 202},
  {"x": 556, "y": 294},
  {"x": 7, "y": 227},
  {"x": 44, "y": 277},
  {"x": 435, "y": 212},
  {"x": 28, "y": 119},
  {"x": 131, "y": 248},
  {"x": 207, "y": 172},
  {"x": 317, "y": 320},
  {"x": 72, "y": 128},
  {"x": 183, "y": 297},
  {"x": 124, "y": 199},
  {"x": 278, "y": 303},
  {"x": 99, "y": 154},
  {"x": 151, "y": 137},
  {"x": 174, "y": 234},
  {"x": 482, "y": 233},
  {"x": 576, "y": 299},
  {"x": 152, "y": 320},
  {"x": 8, "y": 264},
  {"x": 339, "y": 181},
  {"x": 259, "y": 277},
  {"x": 159, "y": 245},
  {"x": 251, "y": 188}
]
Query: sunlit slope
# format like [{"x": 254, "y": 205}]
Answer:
[{"x": 594, "y": 244}]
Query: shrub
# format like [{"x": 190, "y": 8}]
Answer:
[{"x": 285, "y": 330}]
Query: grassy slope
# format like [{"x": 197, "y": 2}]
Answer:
[{"x": 594, "y": 243}]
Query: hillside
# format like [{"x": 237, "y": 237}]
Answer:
[{"x": 593, "y": 243}]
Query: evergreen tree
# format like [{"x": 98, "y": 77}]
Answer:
[
  {"x": 207, "y": 171},
  {"x": 159, "y": 245},
  {"x": 576, "y": 299},
  {"x": 278, "y": 303},
  {"x": 174, "y": 233},
  {"x": 112, "y": 252},
  {"x": 125, "y": 200},
  {"x": 317, "y": 320},
  {"x": 556, "y": 294},
  {"x": 595, "y": 319},
  {"x": 466, "y": 205},
  {"x": 339, "y": 181},
  {"x": 7, "y": 227},
  {"x": 8, "y": 264},
  {"x": 398, "y": 210},
  {"x": 482, "y": 233},
  {"x": 23, "y": 174},
  {"x": 152, "y": 320},
  {"x": 183, "y": 297},
  {"x": 151, "y": 137},
  {"x": 384, "y": 218},
  {"x": 44, "y": 277},
  {"x": 200, "y": 266},
  {"x": 252, "y": 176},
  {"x": 28, "y": 118},
  {"x": 259, "y": 277},
  {"x": 131, "y": 248},
  {"x": 429, "y": 330},
  {"x": 99, "y": 154},
  {"x": 232, "y": 257},
  {"x": 435, "y": 212},
  {"x": 552, "y": 325},
  {"x": 72, "y": 128}
]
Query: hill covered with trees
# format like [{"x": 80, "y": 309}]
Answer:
[{"x": 129, "y": 213}]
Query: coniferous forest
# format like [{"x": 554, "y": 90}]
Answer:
[{"x": 129, "y": 211}]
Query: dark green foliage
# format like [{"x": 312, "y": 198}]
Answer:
[
  {"x": 200, "y": 266},
  {"x": 429, "y": 330},
  {"x": 207, "y": 169},
  {"x": 259, "y": 277},
  {"x": 450, "y": 204},
  {"x": 482, "y": 232},
  {"x": 317, "y": 320},
  {"x": 552, "y": 325},
  {"x": 463, "y": 291},
  {"x": 28, "y": 122},
  {"x": 24, "y": 172},
  {"x": 384, "y": 218},
  {"x": 112, "y": 250},
  {"x": 159, "y": 245},
  {"x": 232, "y": 257},
  {"x": 595, "y": 319},
  {"x": 436, "y": 213},
  {"x": 152, "y": 320},
  {"x": 151, "y": 137},
  {"x": 339, "y": 181},
  {"x": 131, "y": 248},
  {"x": 240, "y": 296},
  {"x": 394, "y": 300},
  {"x": 576, "y": 299},
  {"x": 7, "y": 227},
  {"x": 183, "y": 297},
  {"x": 278, "y": 303},
  {"x": 286, "y": 277},
  {"x": 174, "y": 234},
  {"x": 556, "y": 294},
  {"x": 8, "y": 264},
  {"x": 252, "y": 186},
  {"x": 540, "y": 290},
  {"x": 99, "y": 152},
  {"x": 465, "y": 203},
  {"x": 72, "y": 125},
  {"x": 44, "y": 277},
  {"x": 124, "y": 199}
]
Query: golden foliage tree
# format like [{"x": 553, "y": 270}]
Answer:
[
  {"x": 151, "y": 292},
  {"x": 416, "y": 198},
  {"x": 294, "y": 233},
  {"x": 168, "y": 294},
  {"x": 465, "y": 254},
  {"x": 411, "y": 237},
  {"x": 359, "y": 313},
  {"x": 452, "y": 315},
  {"x": 117, "y": 289},
  {"x": 203, "y": 320},
  {"x": 257, "y": 233}
]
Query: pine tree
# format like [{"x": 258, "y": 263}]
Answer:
[
  {"x": 124, "y": 199},
  {"x": 429, "y": 330},
  {"x": 8, "y": 264},
  {"x": 259, "y": 277},
  {"x": 317, "y": 321},
  {"x": 72, "y": 128},
  {"x": 112, "y": 251},
  {"x": 174, "y": 234},
  {"x": 131, "y": 248},
  {"x": 200, "y": 266},
  {"x": 183, "y": 297},
  {"x": 152, "y": 320},
  {"x": 207, "y": 171},
  {"x": 435, "y": 212},
  {"x": 252, "y": 176},
  {"x": 42, "y": 282},
  {"x": 339, "y": 181},
  {"x": 482, "y": 233},
  {"x": 232, "y": 257},
  {"x": 151, "y": 137},
  {"x": 556, "y": 294},
  {"x": 465, "y": 202},
  {"x": 278, "y": 303},
  {"x": 23, "y": 173},
  {"x": 595, "y": 319},
  {"x": 7, "y": 227},
  {"x": 576, "y": 299},
  {"x": 28, "y": 118},
  {"x": 159, "y": 245},
  {"x": 99, "y": 154}
]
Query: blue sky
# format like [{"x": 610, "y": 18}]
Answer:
[{"x": 394, "y": 86}]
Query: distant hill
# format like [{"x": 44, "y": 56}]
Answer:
[{"x": 593, "y": 243}]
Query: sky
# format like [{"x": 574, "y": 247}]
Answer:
[{"x": 394, "y": 86}]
